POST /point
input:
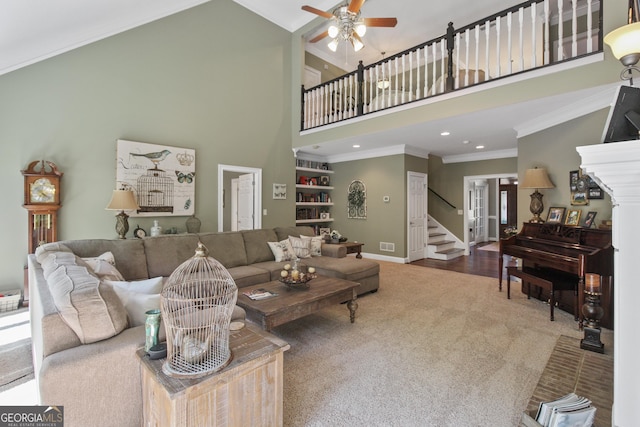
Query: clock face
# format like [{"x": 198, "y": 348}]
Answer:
[
  {"x": 581, "y": 185},
  {"x": 42, "y": 191}
]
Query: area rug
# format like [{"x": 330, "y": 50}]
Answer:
[
  {"x": 16, "y": 366},
  {"x": 491, "y": 247},
  {"x": 430, "y": 348}
]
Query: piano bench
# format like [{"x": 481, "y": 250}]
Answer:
[{"x": 543, "y": 280}]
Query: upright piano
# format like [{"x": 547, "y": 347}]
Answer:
[{"x": 565, "y": 253}]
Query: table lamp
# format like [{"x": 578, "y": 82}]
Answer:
[
  {"x": 122, "y": 200},
  {"x": 536, "y": 178}
]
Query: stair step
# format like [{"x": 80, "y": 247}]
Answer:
[
  {"x": 450, "y": 251},
  {"x": 437, "y": 234},
  {"x": 442, "y": 243}
]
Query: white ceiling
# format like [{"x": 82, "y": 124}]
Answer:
[{"x": 33, "y": 30}]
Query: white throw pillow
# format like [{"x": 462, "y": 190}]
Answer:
[
  {"x": 138, "y": 297},
  {"x": 282, "y": 251},
  {"x": 301, "y": 247},
  {"x": 104, "y": 266},
  {"x": 315, "y": 246}
]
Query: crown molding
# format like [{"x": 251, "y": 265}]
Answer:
[
  {"x": 378, "y": 152},
  {"x": 483, "y": 155}
]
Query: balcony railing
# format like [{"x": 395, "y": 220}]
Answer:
[{"x": 530, "y": 36}]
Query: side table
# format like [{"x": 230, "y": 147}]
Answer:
[
  {"x": 352, "y": 247},
  {"x": 248, "y": 391}
]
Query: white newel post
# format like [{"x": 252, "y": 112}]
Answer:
[{"x": 616, "y": 168}]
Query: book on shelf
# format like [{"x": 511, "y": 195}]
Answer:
[
  {"x": 569, "y": 410},
  {"x": 258, "y": 294}
]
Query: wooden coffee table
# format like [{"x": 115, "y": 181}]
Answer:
[{"x": 292, "y": 304}]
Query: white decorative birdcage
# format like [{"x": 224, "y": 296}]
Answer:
[
  {"x": 155, "y": 191},
  {"x": 196, "y": 303}
]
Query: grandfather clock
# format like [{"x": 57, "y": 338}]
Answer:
[{"x": 42, "y": 201}]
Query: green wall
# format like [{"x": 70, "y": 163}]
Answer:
[
  {"x": 189, "y": 80},
  {"x": 385, "y": 222},
  {"x": 447, "y": 179},
  {"x": 555, "y": 150}
]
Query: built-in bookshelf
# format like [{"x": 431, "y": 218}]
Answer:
[{"x": 313, "y": 194}]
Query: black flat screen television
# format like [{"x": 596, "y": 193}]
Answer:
[{"x": 623, "y": 123}]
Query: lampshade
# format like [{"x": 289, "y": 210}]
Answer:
[
  {"x": 357, "y": 44},
  {"x": 536, "y": 178},
  {"x": 123, "y": 200},
  {"x": 333, "y": 45},
  {"x": 333, "y": 31},
  {"x": 625, "y": 43},
  {"x": 360, "y": 28}
]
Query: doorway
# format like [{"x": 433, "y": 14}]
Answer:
[
  {"x": 481, "y": 213},
  {"x": 239, "y": 204}
]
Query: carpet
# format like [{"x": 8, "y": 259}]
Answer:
[
  {"x": 430, "y": 348},
  {"x": 16, "y": 366}
]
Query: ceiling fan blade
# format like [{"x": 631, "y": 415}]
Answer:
[
  {"x": 380, "y": 22},
  {"x": 355, "y": 5},
  {"x": 318, "y": 12},
  {"x": 319, "y": 37}
]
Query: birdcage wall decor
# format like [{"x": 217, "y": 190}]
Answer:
[
  {"x": 196, "y": 304},
  {"x": 155, "y": 191}
]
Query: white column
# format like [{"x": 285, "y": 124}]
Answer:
[{"x": 616, "y": 168}]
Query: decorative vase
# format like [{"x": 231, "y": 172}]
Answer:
[
  {"x": 193, "y": 224},
  {"x": 156, "y": 230},
  {"x": 152, "y": 328}
]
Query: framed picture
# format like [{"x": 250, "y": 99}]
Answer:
[
  {"x": 162, "y": 177},
  {"x": 596, "y": 193},
  {"x": 573, "y": 217},
  {"x": 325, "y": 231},
  {"x": 324, "y": 215},
  {"x": 323, "y": 180},
  {"x": 573, "y": 179},
  {"x": 579, "y": 198},
  {"x": 279, "y": 191},
  {"x": 555, "y": 215},
  {"x": 589, "y": 219}
]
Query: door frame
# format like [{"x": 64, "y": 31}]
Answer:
[
  {"x": 465, "y": 210},
  {"x": 425, "y": 237},
  {"x": 257, "y": 195}
]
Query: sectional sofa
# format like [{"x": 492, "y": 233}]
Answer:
[{"x": 84, "y": 341}]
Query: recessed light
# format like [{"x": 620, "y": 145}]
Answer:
[
  {"x": 356, "y": 146},
  {"x": 479, "y": 147},
  {"x": 445, "y": 133},
  {"x": 466, "y": 141}
]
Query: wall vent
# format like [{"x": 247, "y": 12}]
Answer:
[{"x": 387, "y": 247}]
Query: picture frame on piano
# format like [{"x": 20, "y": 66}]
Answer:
[
  {"x": 573, "y": 217},
  {"x": 555, "y": 215},
  {"x": 589, "y": 219}
]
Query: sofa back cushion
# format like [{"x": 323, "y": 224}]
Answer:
[
  {"x": 285, "y": 232},
  {"x": 228, "y": 248},
  {"x": 166, "y": 253},
  {"x": 257, "y": 246},
  {"x": 129, "y": 254},
  {"x": 93, "y": 311}
]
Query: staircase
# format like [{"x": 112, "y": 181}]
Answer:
[{"x": 442, "y": 244}]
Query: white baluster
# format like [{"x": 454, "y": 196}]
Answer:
[
  {"x": 305, "y": 111},
  {"x": 574, "y": 29},
  {"x": 418, "y": 87},
  {"x": 425, "y": 91},
  {"x": 456, "y": 66},
  {"x": 442, "y": 69},
  {"x": 466, "y": 61},
  {"x": 477, "y": 39},
  {"x": 487, "y": 33},
  {"x": 410, "y": 78},
  {"x": 560, "y": 32},
  {"x": 509, "y": 50},
  {"x": 433, "y": 74},
  {"x": 546, "y": 33},
  {"x": 389, "y": 74},
  {"x": 498, "y": 65},
  {"x": 313, "y": 116},
  {"x": 521, "y": 25},
  {"x": 589, "y": 27},
  {"x": 534, "y": 44},
  {"x": 396, "y": 62}
]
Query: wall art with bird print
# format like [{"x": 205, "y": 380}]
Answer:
[{"x": 162, "y": 177}]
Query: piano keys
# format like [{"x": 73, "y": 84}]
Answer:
[{"x": 555, "y": 250}]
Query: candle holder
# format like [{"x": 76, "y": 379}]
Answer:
[{"x": 592, "y": 312}]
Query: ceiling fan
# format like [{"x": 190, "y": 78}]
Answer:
[{"x": 347, "y": 24}]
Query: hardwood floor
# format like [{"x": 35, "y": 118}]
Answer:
[{"x": 479, "y": 262}]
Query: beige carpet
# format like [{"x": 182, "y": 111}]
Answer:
[
  {"x": 491, "y": 247},
  {"x": 16, "y": 366},
  {"x": 430, "y": 348}
]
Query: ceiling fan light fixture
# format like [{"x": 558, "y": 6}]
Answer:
[
  {"x": 357, "y": 44},
  {"x": 360, "y": 29},
  {"x": 384, "y": 84},
  {"x": 333, "y": 31},
  {"x": 333, "y": 45}
]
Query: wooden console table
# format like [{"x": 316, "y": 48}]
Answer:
[
  {"x": 246, "y": 392},
  {"x": 352, "y": 247}
]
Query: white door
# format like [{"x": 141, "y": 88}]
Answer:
[
  {"x": 417, "y": 215},
  {"x": 234, "y": 204},
  {"x": 480, "y": 212},
  {"x": 245, "y": 202}
]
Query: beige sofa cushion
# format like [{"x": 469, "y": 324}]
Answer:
[
  {"x": 165, "y": 253},
  {"x": 92, "y": 311},
  {"x": 256, "y": 243},
  {"x": 228, "y": 248}
]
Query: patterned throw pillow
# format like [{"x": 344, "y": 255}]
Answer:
[
  {"x": 315, "y": 244},
  {"x": 104, "y": 266},
  {"x": 301, "y": 247},
  {"x": 282, "y": 251}
]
